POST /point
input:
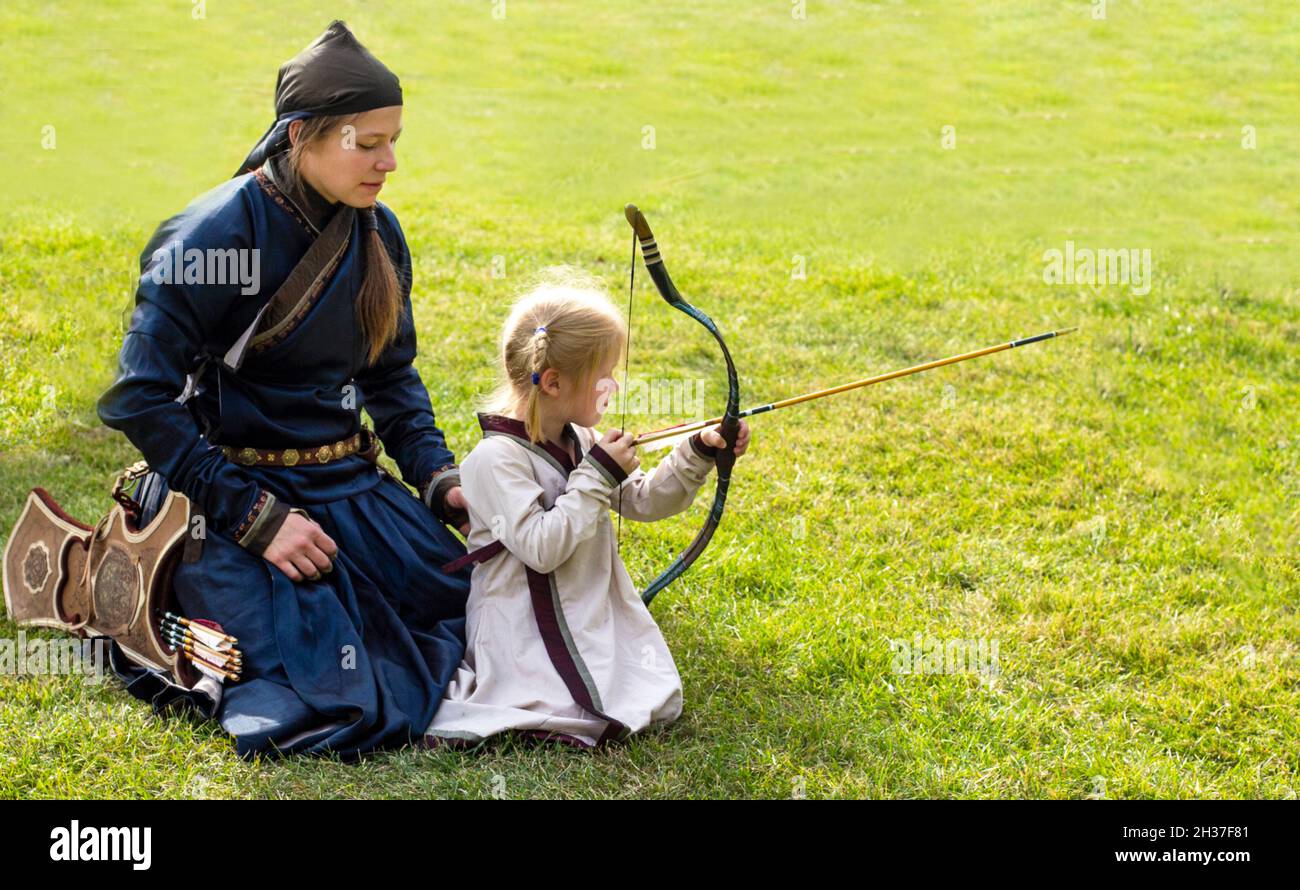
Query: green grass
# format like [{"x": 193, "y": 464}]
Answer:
[{"x": 1119, "y": 509}]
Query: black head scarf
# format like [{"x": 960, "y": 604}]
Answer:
[{"x": 335, "y": 75}]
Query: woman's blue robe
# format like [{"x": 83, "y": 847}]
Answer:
[{"x": 359, "y": 659}]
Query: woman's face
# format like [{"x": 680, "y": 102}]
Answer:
[{"x": 352, "y": 163}]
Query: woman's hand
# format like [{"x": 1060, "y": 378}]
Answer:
[
  {"x": 713, "y": 437},
  {"x": 618, "y": 445},
  {"x": 456, "y": 507},
  {"x": 301, "y": 549}
]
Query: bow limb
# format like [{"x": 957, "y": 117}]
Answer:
[{"x": 730, "y": 427}]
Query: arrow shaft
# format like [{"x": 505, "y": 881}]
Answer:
[{"x": 683, "y": 428}]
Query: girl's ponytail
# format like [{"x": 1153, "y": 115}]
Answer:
[{"x": 537, "y": 363}]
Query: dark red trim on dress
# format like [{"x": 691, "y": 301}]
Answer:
[
  {"x": 482, "y": 554},
  {"x": 548, "y": 624},
  {"x": 496, "y": 423},
  {"x": 565, "y": 458},
  {"x": 607, "y": 461}
]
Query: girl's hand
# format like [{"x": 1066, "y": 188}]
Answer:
[
  {"x": 712, "y": 437},
  {"x": 301, "y": 549},
  {"x": 619, "y": 446}
]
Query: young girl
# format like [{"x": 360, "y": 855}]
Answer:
[{"x": 559, "y": 643}]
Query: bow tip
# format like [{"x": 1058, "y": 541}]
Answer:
[{"x": 636, "y": 219}]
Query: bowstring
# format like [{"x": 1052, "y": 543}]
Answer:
[{"x": 627, "y": 356}]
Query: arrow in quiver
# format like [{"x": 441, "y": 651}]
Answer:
[{"x": 112, "y": 579}]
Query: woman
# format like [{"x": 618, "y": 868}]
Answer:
[{"x": 325, "y": 567}]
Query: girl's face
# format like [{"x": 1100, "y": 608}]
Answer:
[
  {"x": 351, "y": 164},
  {"x": 587, "y": 401}
]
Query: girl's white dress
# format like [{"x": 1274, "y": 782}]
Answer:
[{"x": 559, "y": 642}]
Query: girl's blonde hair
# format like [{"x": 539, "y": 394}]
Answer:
[{"x": 565, "y": 322}]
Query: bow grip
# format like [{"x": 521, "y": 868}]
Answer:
[{"x": 729, "y": 429}]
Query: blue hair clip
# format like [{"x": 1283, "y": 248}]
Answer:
[{"x": 537, "y": 378}]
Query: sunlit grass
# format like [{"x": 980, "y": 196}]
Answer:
[{"x": 1117, "y": 509}]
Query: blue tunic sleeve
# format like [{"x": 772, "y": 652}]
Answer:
[
  {"x": 173, "y": 325},
  {"x": 396, "y": 397}
]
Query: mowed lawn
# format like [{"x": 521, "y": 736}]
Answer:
[{"x": 1116, "y": 511}]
